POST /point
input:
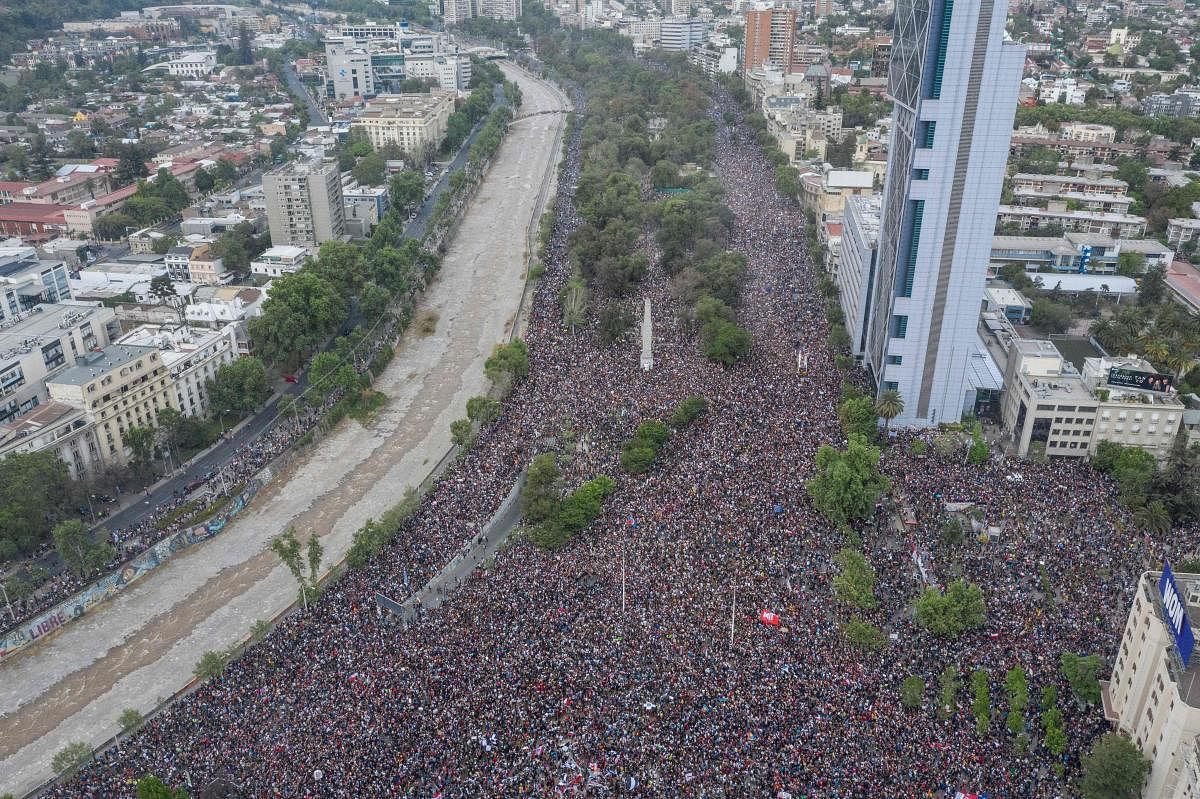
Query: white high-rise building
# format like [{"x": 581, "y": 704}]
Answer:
[
  {"x": 682, "y": 33},
  {"x": 348, "y": 72},
  {"x": 954, "y": 79}
]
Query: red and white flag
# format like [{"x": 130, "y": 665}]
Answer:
[
  {"x": 768, "y": 618},
  {"x": 961, "y": 795}
]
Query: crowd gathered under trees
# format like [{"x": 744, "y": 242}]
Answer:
[{"x": 712, "y": 587}]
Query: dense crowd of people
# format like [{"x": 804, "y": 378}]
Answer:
[{"x": 631, "y": 663}]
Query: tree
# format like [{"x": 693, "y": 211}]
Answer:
[
  {"x": 912, "y": 692},
  {"x": 614, "y": 321},
  {"x": 1153, "y": 287},
  {"x": 245, "y": 52},
  {"x": 39, "y": 158},
  {"x": 140, "y": 441},
  {"x": 407, "y": 190},
  {"x": 978, "y": 452},
  {"x": 1081, "y": 671},
  {"x": 131, "y": 165},
  {"x": 949, "y": 686},
  {"x": 864, "y": 635},
  {"x": 949, "y": 614},
  {"x": 238, "y": 387},
  {"x": 687, "y": 411},
  {"x": 725, "y": 343},
  {"x": 210, "y": 665},
  {"x": 33, "y": 490},
  {"x": 1050, "y": 317},
  {"x": 543, "y": 487},
  {"x": 287, "y": 548},
  {"x": 483, "y": 410},
  {"x": 889, "y": 405},
  {"x": 79, "y": 550},
  {"x": 857, "y": 415},
  {"x": 302, "y": 310},
  {"x": 71, "y": 758},
  {"x": 1113, "y": 769},
  {"x": 848, "y": 482},
  {"x": 855, "y": 584},
  {"x": 131, "y": 719},
  {"x": 1153, "y": 518},
  {"x": 1132, "y": 468},
  {"x": 151, "y": 787},
  {"x": 508, "y": 363},
  {"x": 1131, "y": 264},
  {"x": 205, "y": 182},
  {"x": 371, "y": 170},
  {"x": 981, "y": 706},
  {"x": 1017, "y": 686}
]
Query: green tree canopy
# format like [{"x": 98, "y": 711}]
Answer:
[
  {"x": 848, "y": 483},
  {"x": 1113, "y": 769}
]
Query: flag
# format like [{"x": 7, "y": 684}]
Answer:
[
  {"x": 768, "y": 618},
  {"x": 961, "y": 795}
]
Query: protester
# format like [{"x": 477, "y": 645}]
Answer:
[{"x": 632, "y": 663}]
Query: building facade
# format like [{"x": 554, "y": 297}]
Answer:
[
  {"x": 414, "y": 122},
  {"x": 770, "y": 36},
  {"x": 191, "y": 356},
  {"x": 1152, "y": 697},
  {"x": 279, "y": 260},
  {"x": 348, "y": 73},
  {"x": 304, "y": 203},
  {"x": 120, "y": 387},
  {"x": 681, "y": 34},
  {"x": 855, "y": 272},
  {"x": 955, "y": 80},
  {"x": 57, "y": 427}
]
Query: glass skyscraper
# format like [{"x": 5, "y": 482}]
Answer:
[{"x": 954, "y": 80}]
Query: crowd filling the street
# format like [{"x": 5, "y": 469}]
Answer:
[{"x": 633, "y": 662}]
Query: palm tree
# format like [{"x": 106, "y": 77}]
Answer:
[
  {"x": 889, "y": 405},
  {"x": 1153, "y": 518}
]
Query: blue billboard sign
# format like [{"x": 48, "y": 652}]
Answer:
[
  {"x": 1085, "y": 258},
  {"x": 1175, "y": 614}
]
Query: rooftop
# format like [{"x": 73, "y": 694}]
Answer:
[
  {"x": 46, "y": 322},
  {"x": 36, "y": 420},
  {"x": 850, "y": 179},
  {"x": 1072, "y": 282},
  {"x": 1184, "y": 279},
  {"x": 111, "y": 357}
]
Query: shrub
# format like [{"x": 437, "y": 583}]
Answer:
[
  {"x": 211, "y": 664},
  {"x": 71, "y": 758},
  {"x": 687, "y": 411},
  {"x": 130, "y": 719},
  {"x": 912, "y": 692},
  {"x": 863, "y": 635}
]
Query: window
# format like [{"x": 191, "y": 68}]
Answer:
[
  {"x": 943, "y": 44},
  {"x": 899, "y": 326},
  {"x": 895, "y": 360},
  {"x": 920, "y": 174},
  {"x": 928, "y": 130},
  {"x": 890, "y": 385}
]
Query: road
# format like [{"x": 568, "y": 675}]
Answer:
[
  {"x": 143, "y": 644},
  {"x": 417, "y": 228},
  {"x": 316, "y": 116}
]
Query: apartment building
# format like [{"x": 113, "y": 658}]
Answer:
[
  {"x": 826, "y": 194},
  {"x": 1055, "y": 185},
  {"x": 119, "y": 387},
  {"x": 415, "y": 122},
  {"x": 1182, "y": 230},
  {"x": 1090, "y": 253},
  {"x": 452, "y": 72},
  {"x": 42, "y": 342},
  {"x": 304, "y": 203},
  {"x": 27, "y": 280},
  {"x": 60, "y": 428},
  {"x": 195, "y": 264},
  {"x": 770, "y": 36},
  {"x": 1088, "y": 132},
  {"x": 1057, "y": 214},
  {"x": 681, "y": 34},
  {"x": 191, "y": 356}
]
